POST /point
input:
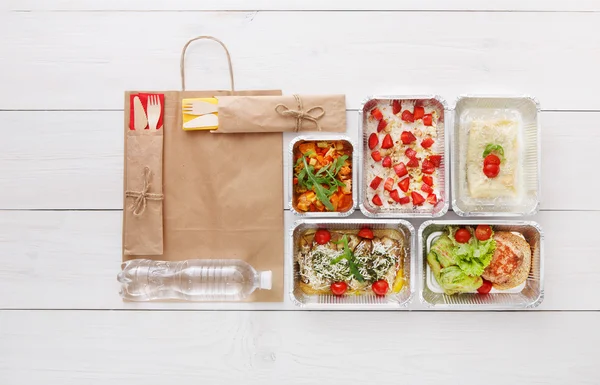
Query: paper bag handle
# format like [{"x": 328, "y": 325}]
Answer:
[{"x": 182, "y": 65}]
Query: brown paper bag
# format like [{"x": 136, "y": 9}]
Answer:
[
  {"x": 282, "y": 113},
  {"x": 222, "y": 193}
]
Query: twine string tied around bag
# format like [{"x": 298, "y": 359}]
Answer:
[
  {"x": 300, "y": 115},
  {"x": 141, "y": 197}
]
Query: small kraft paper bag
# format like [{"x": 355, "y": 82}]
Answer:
[{"x": 199, "y": 195}]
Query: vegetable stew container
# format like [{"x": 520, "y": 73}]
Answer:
[
  {"x": 474, "y": 265},
  {"x": 404, "y": 165},
  {"x": 321, "y": 176},
  {"x": 496, "y": 156},
  {"x": 368, "y": 263}
]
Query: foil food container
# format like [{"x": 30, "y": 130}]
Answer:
[
  {"x": 398, "y": 301},
  {"x": 290, "y": 174},
  {"x": 441, "y": 146},
  {"x": 530, "y": 294},
  {"x": 526, "y": 198}
]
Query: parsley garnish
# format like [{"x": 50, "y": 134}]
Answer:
[{"x": 349, "y": 256}]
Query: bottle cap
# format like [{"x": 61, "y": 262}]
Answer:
[{"x": 266, "y": 280}]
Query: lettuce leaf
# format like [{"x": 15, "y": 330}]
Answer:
[
  {"x": 474, "y": 256},
  {"x": 453, "y": 280}
]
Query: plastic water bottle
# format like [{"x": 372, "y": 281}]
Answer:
[{"x": 191, "y": 280}]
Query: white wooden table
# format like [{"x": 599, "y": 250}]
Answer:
[{"x": 63, "y": 68}]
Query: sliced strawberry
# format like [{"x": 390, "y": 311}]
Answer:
[
  {"x": 427, "y": 167},
  {"x": 426, "y": 188},
  {"x": 427, "y": 142},
  {"x": 376, "y": 156},
  {"x": 387, "y": 142},
  {"x": 414, "y": 162},
  {"x": 428, "y": 179},
  {"x": 400, "y": 169},
  {"x": 382, "y": 125},
  {"x": 389, "y": 184},
  {"x": 407, "y": 116},
  {"x": 431, "y": 198},
  {"x": 375, "y": 182},
  {"x": 404, "y": 184},
  {"x": 375, "y": 113},
  {"x": 407, "y": 137},
  {"x": 396, "y": 107},
  {"x": 404, "y": 200},
  {"x": 428, "y": 120},
  {"x": 387, "y": 162},
  {"x": 395, "y": 196},
  {"x": 417, "y": 198},
  {"x": 377, "y": 200},
  {"x": 373, "y": 141},
  {"x": 410, "y": 153},
  {"x": 419, "y": 112},
  {"x": 436, "y": 160}
]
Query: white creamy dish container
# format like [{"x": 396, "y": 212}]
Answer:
[
  {"x": 367, "y": 171},
  {"x": 530, "y": 294},
  {"x": 367, "y": 301},
  {"x": 512, "y": 123}
]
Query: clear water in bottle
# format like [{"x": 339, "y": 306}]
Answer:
[{"x": 191, "y": 280}]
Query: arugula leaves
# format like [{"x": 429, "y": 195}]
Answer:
[
  {"x": 325, "y": 176},
  {"x": 349, "y": 256},
  {"x": 493, "y": 148}
]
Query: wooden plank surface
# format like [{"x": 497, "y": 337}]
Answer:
[
  {"x": 70, "y": 259},
  {"x": 358, "y": 54},
  {"x": 146, "y": 348},
  {"x": 76, "y": 158}
]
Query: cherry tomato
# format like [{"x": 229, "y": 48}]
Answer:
[
  {"x": 427, "y": 167},
  {"x": 376, "y": 156},
  {"x": 322, "y": 236},
  {"x": 395, "y": 196},
  {"x": 413, "y": 162},
  {"x": 491, "y": 159},
  {"x": 491, "y": 170},
  {"x": 400, "y": 169},
  {"x": 373, "y": 141},
  {"x": 428, "y": 120},
  {"x": 462, "y": 235},
  {"x": 417, "y": 198},
  {"x": 365, "y": 233},
  {"x": 426, "y": 188},
  {"x": 407, "y": 137},
  {"x": 339, "y": 288},
  {"x": 387, "y": 142},
  {"x": 432, "y": 198},
  {"x": 380, "y": 287},
  {"x": 427, "y": 142},
  {"x": 375, "y": 113},
  {"x": 435, "y": 159},
  {"x": 483, "y": 232},
  {"x": 404, "y": 200},
  {"x": 389, "y": 184},
  {"x": 428, "y": 179},
  {"x": 382, "y": 125},
  {"x": 419, "y": 113},
  {"x": 396, "y": 107},
  {"x": 377, "y": 200},
  {"x": 387, "y": 162},
  {"x": 407, "y": 116},
  {"x": 410, "y": 153},
  {"x": 485, "y": 287},
  {"x": 404, "y": 184}
]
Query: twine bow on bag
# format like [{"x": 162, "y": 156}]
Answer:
[
  {"x": 300, "y": 115},
  {"x": 141, "y": 197}
]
